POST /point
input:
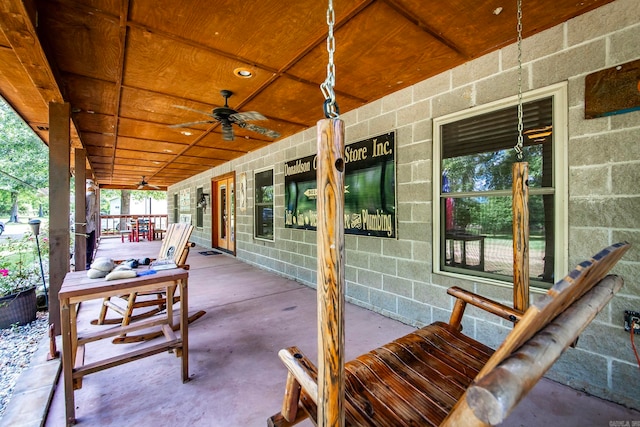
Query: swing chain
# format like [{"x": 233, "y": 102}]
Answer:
[
  {"x": 520, "y": 144},
  {"x": 331, "y": 110}
]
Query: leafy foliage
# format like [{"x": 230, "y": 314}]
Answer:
[
  {"x": 24, "y": 165},
  {"x": 19, "y": 263},
  {"x": 107, "y": 195},
  {"x": 490, "y": 171}
]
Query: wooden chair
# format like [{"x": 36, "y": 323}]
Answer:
[
  {"x": 439, "y": 376},
  {"x": 175, "y": 248},
  {"x": 142, "y": 228}
]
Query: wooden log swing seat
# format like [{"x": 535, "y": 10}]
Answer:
[
  {"x": 436, "y": 375},
  {"x": 439, "y": 376}
]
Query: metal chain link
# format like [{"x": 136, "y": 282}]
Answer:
[
  {"x": 331, "y": 110},
  {"x": 519, "y": 145}
]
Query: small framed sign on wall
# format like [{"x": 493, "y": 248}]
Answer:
[
  {"x": 185, "y": 200},
  {"x": 242, "y": 192}
]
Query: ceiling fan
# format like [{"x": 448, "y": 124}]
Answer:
[
  {"x": 227, "y": 116},
  {"x": 142, "y": 184}
]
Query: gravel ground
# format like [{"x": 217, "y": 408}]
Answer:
[{"x": 16, "y": 347}]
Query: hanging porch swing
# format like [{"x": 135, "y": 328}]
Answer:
[{"x": 435, "y": 375}]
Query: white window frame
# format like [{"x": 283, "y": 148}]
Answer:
[{"x": 560, "y": 177}]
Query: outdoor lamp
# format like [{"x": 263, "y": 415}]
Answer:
[
  {"x": 35, "y": 226},
  {"x": 35, "y": 229},
  {"x": 203, "y": 201}
]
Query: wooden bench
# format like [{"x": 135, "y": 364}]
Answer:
[
  {"x": 439, "y": 376},
  {"x": 175, "y": 248}
]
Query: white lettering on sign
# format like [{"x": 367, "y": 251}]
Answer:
[
  {"x": 377, "y": 221},
  {"x": 298, "y": 167},
  {"x": 354, "y": 154}
]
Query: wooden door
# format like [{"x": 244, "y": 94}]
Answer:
[{"x": 223, "y": 213}]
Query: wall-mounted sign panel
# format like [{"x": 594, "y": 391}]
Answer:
[
  {"x": 185, "y": 200},
  {"x": 369, "y": 194},
  {"x": 615, "y": 90}
]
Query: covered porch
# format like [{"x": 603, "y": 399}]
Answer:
[{"x": 236, "y": 376}]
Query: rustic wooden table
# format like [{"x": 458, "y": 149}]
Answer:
[{"x": 77, "y": 287}]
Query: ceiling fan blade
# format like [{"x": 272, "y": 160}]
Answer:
[
  {"x": 140, "y": 186},
  {"x": 259, "y": 129},
  {"x": 206, "y": 113},
  {"x": 247, "y": 116},
  {"x": 184, "y": 125},
  {"x": 155, "y": 187},
  {"x": 227, "y": 132}
]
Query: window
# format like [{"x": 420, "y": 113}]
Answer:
[
  {"x": 200, "y": 207},
  {"x": 472, "y": 180},
  {"x": 176, "y": 208},
  {"x": 263, "y": 212}
]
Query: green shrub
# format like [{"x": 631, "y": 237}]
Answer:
[{"x": 19, "y": 263}]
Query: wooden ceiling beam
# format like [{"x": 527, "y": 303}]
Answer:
[
  {"x": 395, "y": 5},
  {"x": 129, "y": 187},
  {"x": 124, "y": 17},
  {"x": 17, "y": 20},
  {"x": 297, "y": 58}
]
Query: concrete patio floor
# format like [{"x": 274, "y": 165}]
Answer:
[{"x": 236, "y": 376}]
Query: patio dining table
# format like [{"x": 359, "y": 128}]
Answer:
[{"x": 141, "y": 227}]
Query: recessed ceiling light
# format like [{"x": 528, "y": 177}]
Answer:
[
  {"x": 186, "y": 133},
  {"x": 243, "y": 73}
]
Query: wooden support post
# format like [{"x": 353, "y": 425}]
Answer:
[
  {"x": 80, "y": 245},
  {"x": 59, "y": 164},
  {"x": 330, "y": 205},
  {"x": 53, "y": 351},
  {"x": 291, "y": 396},
  {"x": 520, "y": 192}
]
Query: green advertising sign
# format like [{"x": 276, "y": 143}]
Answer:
[{"x": 369, "y": 194}]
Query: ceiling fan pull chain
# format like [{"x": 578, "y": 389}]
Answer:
[{"x": 331, "y": 110}]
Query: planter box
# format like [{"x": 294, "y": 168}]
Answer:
[{"x": 18, "y": 308}]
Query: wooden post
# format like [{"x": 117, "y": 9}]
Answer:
[
  {"x": 80, "y": 241},
  {"x": 520, "y": 192},
  {"x": 330, "y": 205},
  {"x": 59, "y": 164}
]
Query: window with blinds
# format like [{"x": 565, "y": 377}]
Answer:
[{"x": 475, "y": 155}]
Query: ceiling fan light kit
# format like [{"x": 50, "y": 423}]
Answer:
[
  {"x": 227, "y": 117},
  {"x": 144, "y": 184}
]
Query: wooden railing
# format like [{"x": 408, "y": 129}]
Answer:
[{"x": 113, "y": 224}]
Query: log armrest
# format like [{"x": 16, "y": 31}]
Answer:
[
  {"x": 464, "y": 297},
  {"x": 302, "y": 375},
  {"x": 302, "y": 369},
  {"x": 493, "y": 397}
]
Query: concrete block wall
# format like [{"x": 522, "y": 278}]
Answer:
[{"x": 394, "y": 276}]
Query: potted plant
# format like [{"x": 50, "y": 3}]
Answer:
[{"x": 19, "y": 278}]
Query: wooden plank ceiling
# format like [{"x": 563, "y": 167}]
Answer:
[{"x": 128, "y": 66}]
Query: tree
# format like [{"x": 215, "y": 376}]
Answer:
[{"x": 24, "y": 165}]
